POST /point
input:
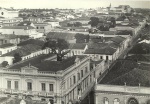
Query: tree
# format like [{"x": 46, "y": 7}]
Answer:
[
  {"x": 81, "y": 38},
  {"x": 4, "y": 63},
  {"x": 113, "y": 22},
  {"x": 94, "y": 21},
  {"x": 17, "y": 58},
  {"x": 57, "y": 46}
]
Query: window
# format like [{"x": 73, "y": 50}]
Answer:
[
  {"x": 101, "y": 57},
  {"x": 51, "y": 87},
  {"x": 43, "y": 86},
  {"x": 90, "y": 78},
  {"x": 70, "y": 82},
  {"x": 78, "y": 76},
  {"x": 86, "y": 69},
  {"x": 106, "y": 100},
  {"x": 9, "y": 84},
  {"x": 107, "y": 58},
  {"x": 74, "y": 79},
  {"x": 37, "y": 27},
  {"x": 116, "y": 101},
  {"x": 81, "y": 73},
  {"x": 16, "y": 85},
  {"x": 29, "y": 86}
]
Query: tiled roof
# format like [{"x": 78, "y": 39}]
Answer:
[
  {"x": 107, "y": 32},
  {"x": 61, "y": 35},
  {"x": 10, "y": 36},
  {"x": 18, "y": 27},
  {"x": 140, "y": 48},
  {"x": 118, "y": 39},
  {"x": 120, "y": 68},
  {"x": 25, "y": 23},
  {"x": 24, "y": 50},
  {"x": 32, "y": 41},
  {"x": 133, "y": 78},
  {"x": 139, "y": 57},
  {"x": 6, "y": 45},
  {"x": 48, "y": 65},
  {"x": 77, "y": 46},
  {"x": 100, "y": 48}
]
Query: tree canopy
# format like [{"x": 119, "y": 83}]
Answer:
[
  {"x": 17, "y": 58},
  {"x": 4, "y": 63},
  {"x": 94, "y": 21},
  {"x": 56, "y": 46}
]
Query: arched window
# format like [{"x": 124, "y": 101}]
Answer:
[
  {"x": 106, "y": 101},
  {"x": 116, "y": 101},
  {"x": 132, "y": 101}
]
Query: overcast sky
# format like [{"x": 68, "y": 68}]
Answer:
[{"x": 72, "y": 3}]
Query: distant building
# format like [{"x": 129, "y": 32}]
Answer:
[
  {"x": 21, "y": 30},
  {"x": 8, "y": 13},
  {"x": 53, "y": 23},
  {"x": 43, "y": 27}
]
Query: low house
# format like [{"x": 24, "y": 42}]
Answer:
[
  {"x": 35, "y": 19},
  {"x": 26, "y": 52},
  {"x": 53, "y": 23},
  {"x": 6, "y": 48},
  {"x": 43, "y": 27},
  {"x": 102, "y": 51},
  {"x": 5, "y": 38},
  {"x": 21, "y": 30},
  {"x": 18, "y": 30},
  {"x": 76, "y": 49}
]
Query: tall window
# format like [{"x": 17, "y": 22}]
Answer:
[
  {"x": 107, "y": 58},
  {"x": 78, "y": 76},
  {"x": 81, "y": 73},
  {"x": 9, "y": 84},
  {"x": 74, "y": 79},
  {"x": 43, "y": 86},
  {"x": 16, "y": 85},
  {"x": 29, "y": 86},
  {"x": 86, "y": 69},
  {"x": 116, "y": 101},
  {"x": 106, "y": 101},
  {"x": 70, "y": 82},
  {"x": 51, "y": 87}
]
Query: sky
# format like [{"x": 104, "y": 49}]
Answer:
[{"x": 72, "y": 4}]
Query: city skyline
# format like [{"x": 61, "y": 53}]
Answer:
[{"x": 72, "y": 4}]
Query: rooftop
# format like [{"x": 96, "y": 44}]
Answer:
[
  {"x": 118, "y": 39},
  {"x": 6, "y": 45},
  {"x": 61, "y": 35},
  {"x": 129, "y": 72},
  {"x": 24, "y": 50},
  {"x": 18, "y": 27},
  {"x": 77, "y": 46},
  {"x": 32, "y": 41},
  {"x": 140, "y": 48},
  {"x": 48, "y": 65},
  {"x": 101, "y": 48}
]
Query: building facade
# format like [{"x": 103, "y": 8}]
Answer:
[
  {"x": 59, "y": 87},
  {"x": 112, "y": 94}
]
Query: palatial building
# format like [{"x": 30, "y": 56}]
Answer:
[
  {"x": 128, "y": 82},
  {"x": 44, "y": 78}
]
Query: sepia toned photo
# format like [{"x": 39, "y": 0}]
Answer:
[{"x": 74, "y": 52}]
